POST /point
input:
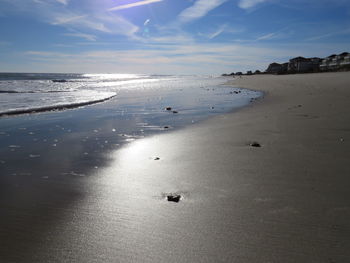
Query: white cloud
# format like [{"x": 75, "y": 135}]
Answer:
[
  {"x": 55, "y": 12},
  {"x": 198, "y": 10},
  {"x": 65, "y": 18},
  {"x": 81, "y": 35},
  {"x": 64, "y": 2},
  {"x": 118, "y": 25},
  {"x": 246, "y": 4},
  {"x": 331, "y": 34},
  {"x": 218, "y": 32},
  {"x": 39, "y": 1},
  {"x": 267, "y": 36},
  {"x": 106, "y": 23},
  {"x": 140, "y": 3},
  {"x": 79, "y": 22},
  {"x": 221, "y": 29}
]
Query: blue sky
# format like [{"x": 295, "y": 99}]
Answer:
[{"x": 167, "y": 36}]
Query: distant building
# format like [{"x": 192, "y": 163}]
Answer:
[
  {"x": 345, "y": 62},
  {"x": 284, "y": 68},
  {"x": 336, "y": 62},
  {"x": 276, "y": 68},
  {"x": 302, "y": 65},
  {"x": 326, "y": 62}
]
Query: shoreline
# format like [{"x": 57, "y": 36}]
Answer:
[
  {"x": 53, "y": 108},
  {"x": 284, "y": 202}
]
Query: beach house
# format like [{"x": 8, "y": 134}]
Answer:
[
  {"x": 345, "y": 60},
  {"x": 336, "y": 62},
  {"x": 276, "y": 68},
  {"x": 301, "y": 65}
]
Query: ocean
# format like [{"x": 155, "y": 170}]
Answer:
[{"x": 37, "y": 92}]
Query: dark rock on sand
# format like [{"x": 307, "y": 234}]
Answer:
[
  {"x": 175, "y": 111},
  {"x": 174, "y": 198},
  {"x": 168, "y": 108},
  {"x": 157, "y": 159},
  {"x": 255, "y": 144}
]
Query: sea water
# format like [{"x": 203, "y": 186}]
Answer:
[{"x": 30, "y": 92}]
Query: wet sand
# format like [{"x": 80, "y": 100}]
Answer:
[{"x": 287, "y": 201}]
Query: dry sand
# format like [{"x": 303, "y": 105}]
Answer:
[{"x": 287, "y": 201}]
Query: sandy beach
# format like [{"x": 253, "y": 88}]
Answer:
[{"x": 286, "y": 201}]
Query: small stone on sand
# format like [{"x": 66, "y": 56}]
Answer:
[
  {"x": 255, "y": 144},
  {"x": 174, "y": 198},
  {"x": 168, "y": 108}
]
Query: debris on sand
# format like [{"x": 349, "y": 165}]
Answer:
[
  {"x": 255, "y": 144},
  {"x": 174, "y": 198}
]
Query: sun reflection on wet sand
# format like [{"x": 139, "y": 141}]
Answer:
[{"x": 139, "y": 168}]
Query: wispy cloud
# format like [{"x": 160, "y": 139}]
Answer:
[
  {"x": 64, "y": 2},
  {"x": 282, "y": 33},
  {"x": 331, "y": 34},
  {"x": 221, "y": 29},
  {"x": 79, "y": 22},
  {"x": 60, "y": 13},
  {"x": 39, "y": 1},
  {"x": 140, "y": 3},
  {"x": 246, "y": 4},
  {"x": 82, "y": 35},
  {"x": 266, "y": 37},
  {"x": 106, "y": 23},
  {"x": 118, "y": 25},
  {"x": 218, "y": 32},
  {"x": 198, "y": 10},
  {"x": 66, "y": 18}
]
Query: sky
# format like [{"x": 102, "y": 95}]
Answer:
[{"x": 167, "y": 36}]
